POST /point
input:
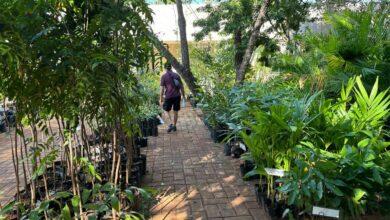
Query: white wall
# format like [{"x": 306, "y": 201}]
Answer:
[{"x": 165, "y": 21}]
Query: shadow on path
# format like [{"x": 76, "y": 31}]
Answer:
[{"x": 195, "y": 179}]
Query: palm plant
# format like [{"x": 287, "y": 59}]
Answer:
[
  {"x": 356, "y": 43},
  {"x": 276, "y": 131},
  {"x": 345, "y": 155}
]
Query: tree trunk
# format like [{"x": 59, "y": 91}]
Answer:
[
  {"x": 185, "y": 57},
  {"x": 238, "y": 47},
  {"x": 184, "y": 72},
  {"x": 240, "y": 75}
]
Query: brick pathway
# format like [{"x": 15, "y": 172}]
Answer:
[
  {"x": 196, "y": 180},
  {"x": 7, "y": 173}
]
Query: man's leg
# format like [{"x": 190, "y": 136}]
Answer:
[
  {"x": 169, "y": 116},
  {"x": 167, "y": 107},
  {"x": 176, "y": 109},
  {"x": 175, "y": 117}
]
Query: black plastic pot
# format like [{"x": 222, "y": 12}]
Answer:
[
  {"x": 149, "y": 127},
  {"x": 3, "y": 127},
  {"x": 246, "y": 167},
  {"x": 273, "y": 207},
  {"x": 261, "y": 195},
  {"x": 237, "y": 152},
  {"x": 155, "y": 130},
  {"x": 143, "y": 161},
  {"x": 135, "y": 178},
  {"x": 217, "y": 135},
  {"x": 141, "y": 141},
  {"x": 227, "y": 149}
]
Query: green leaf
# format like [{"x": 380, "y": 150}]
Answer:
[
  {"x": 144, "y": 193},
  {"x": 75, "y": 201},
  {"x": 358, "y": 194},
  {"x": 377, "y": 176},
  {"x": 7, "y": 208},
  {"x": 103, "y": 208},
  {"x": 35, "y": 216},
  {"x": 93, "y": 172},
  {"x": 319, "y": 191},
  {"x": 62, "y": 195},
  {"x": 292, "y": 197},
  {"x": 130, "y": 195},
  {"x": 334, "y": 189},
  {"x": 115, "y": 203},
  {"x": 65, "y": 213},
  {"x": 85, "y": 195},
  {"x": 91, "y": 206},
  {"x": 40, "y": 170},
  {"x": 250, "y": 174},
  {"x": 107, "y": 187},
  {"x": 305, "y": 191}
]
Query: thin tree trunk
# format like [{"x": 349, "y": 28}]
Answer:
[
  {"x": 113, "y": 145},
  {"x": 240, "y": 75},
  {"x": 185, "y": 57},
  {"x": 238, "y": 47},
  {"x": 184, "y": 72}
]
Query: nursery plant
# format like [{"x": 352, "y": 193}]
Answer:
[
  {"x": 344, "y": 168},
  {"x": 355, "y": 42},
  {"x": 70, "y": 68}
]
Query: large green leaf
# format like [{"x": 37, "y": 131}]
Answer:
[
  {"x": 114, "y": 203},
  {"x": 65, "y": 213},
  {"x": 334, "y": 189}
]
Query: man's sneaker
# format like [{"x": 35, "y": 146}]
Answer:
[
  {"x": 170, "y": 128},
  {"x": 174, "y": 128}
]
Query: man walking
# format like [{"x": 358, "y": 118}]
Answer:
[{"x": 172, "y": 87}]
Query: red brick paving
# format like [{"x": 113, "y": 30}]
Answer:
[
  {"x": 196, "y": 180},
  {"x": 7, "y": 174}
]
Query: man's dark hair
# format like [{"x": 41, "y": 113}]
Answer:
[{"x": 168, "y": 66}]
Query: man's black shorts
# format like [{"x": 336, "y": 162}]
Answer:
[{"x": 168, "y": 103}]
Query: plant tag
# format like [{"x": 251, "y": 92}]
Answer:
[
  {"x": 242, "y": 146},
  {"x": 274, "y": 172},
  {"x": 333, "y": 213}
]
